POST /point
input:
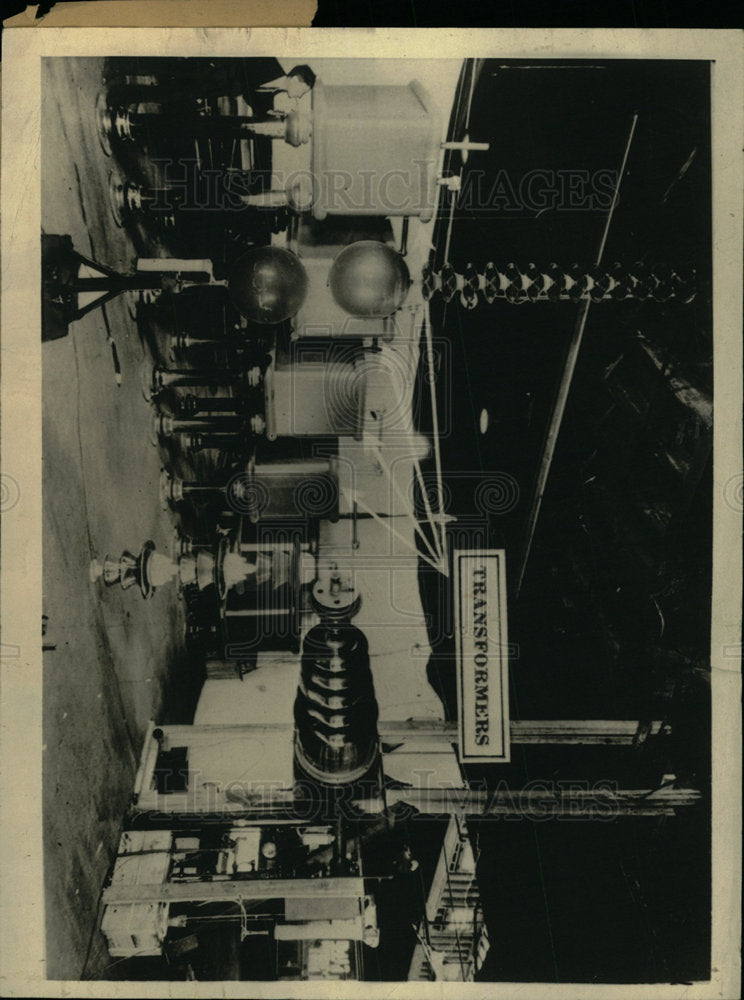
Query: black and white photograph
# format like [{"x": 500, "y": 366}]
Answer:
[{"x": 388, "y": 575}]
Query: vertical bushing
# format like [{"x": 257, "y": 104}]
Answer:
[{"x": 335, "y": 710}]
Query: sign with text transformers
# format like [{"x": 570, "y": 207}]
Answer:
[{"x": 482, "y": 655}]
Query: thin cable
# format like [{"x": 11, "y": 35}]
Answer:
[
  {"x": 473, "y": 75},
  {"x": 402, "y": 538},
  {"x": 427, "y": 506},
  {"x": 565, "y": 385},
  {"x": 435, "y": 430},
  {"x": 404, "y": 500},
  {"x": 448, "y": 153},
  {"x": 425, "y": 496},
  {"x": 450, "y": 224}
]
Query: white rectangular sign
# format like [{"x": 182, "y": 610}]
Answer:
[{"x": 482, "y": 655}]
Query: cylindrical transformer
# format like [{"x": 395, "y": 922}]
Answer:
[
  {"x": 286, "y": 490},
  {"x": 335, "y": 710}
]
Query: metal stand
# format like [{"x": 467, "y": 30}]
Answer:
[{"x": 67, "y": 274}]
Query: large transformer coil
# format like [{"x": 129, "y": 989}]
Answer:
[{"x": 335, "y": 709}]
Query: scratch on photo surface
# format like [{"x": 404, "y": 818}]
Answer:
[{"x": 682, "y": 171}]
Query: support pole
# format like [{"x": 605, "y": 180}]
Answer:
[
  {"x": 602, "y": 802},
  {"x": 431, "y": 735},
  {"x": 234, "y": 890}
]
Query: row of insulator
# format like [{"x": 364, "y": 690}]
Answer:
[{"x": 617, "y": 282}]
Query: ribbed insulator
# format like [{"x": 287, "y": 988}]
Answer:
[
  {"x": 530, "y": 283},
  {"x": 335, "y": 709}
]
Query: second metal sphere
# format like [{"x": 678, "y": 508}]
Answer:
[{"x": 370, "y": 279}]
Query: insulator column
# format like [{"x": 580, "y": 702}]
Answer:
[
  {"x": 190, "y": 405},
  {"x": 166, "y": 426},
  {"x": 335, "y": 709},
  {"x": 517, "y": 285},
  {"x": 117, "y": 122},
  {"x": 178, "y": 378}
]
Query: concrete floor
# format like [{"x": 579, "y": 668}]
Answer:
[{"x": 108, "y": 671}]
